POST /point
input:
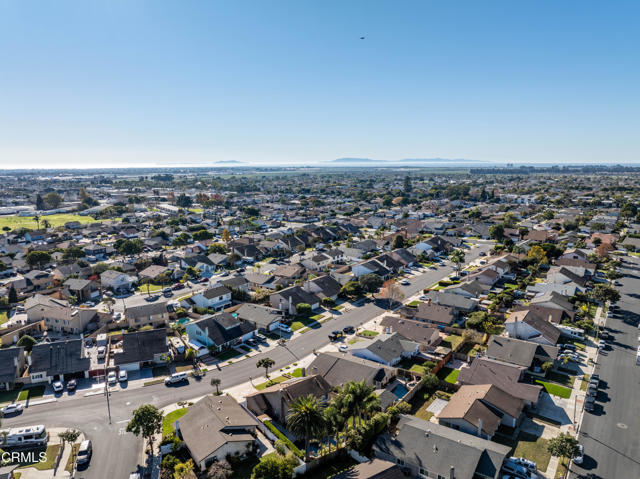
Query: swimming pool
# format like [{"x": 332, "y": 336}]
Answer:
[{"x": 400, "y": 391}]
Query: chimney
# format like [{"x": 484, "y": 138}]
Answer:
[
  {"x": 452, "y": 472},
  {"x": 479, "y": 427}
]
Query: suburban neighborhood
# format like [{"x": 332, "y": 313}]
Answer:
[{"x": 348, "y": 323}]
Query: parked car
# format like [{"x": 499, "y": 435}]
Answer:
[
  {"x": 405, "y": 282},
  {"x": 112, "y": 378},
  {"x": 568, "y": 347},
  {"x": 517, "y": 470},
  {"x": 58, "y": 386},
  {"x": 601, "y": 345},
  {"x": 84, "y": 452},
  {"x": 14, "y": 408},
  {"x": 343, "y": 348},
  {"x": 579, "y": 457},
  {"x": 102, "y": 352},
  {"x": 261, "y": 338},
  {"x": 589, "y": 404},
  {"x": 594, "y": 377},
  {"x": 423, "y": 297},
  {"x": 349, "y": 330},
  {"x": 285, "y": 329},
  {"x": 532, "y": 466},
  {"x": 72, "y": 385},
  {"x": 177, "y": 286},
  {"x": 251, "y": 342},
  {"x": 175, "y": 378},
  {"x": 167, "y": 292},
  {"x": 122, "y": 376}
]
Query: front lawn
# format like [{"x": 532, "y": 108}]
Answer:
[
  {"x": 414, "y": 304},
  {"x": 562, "y": 379},
  {"x": 449, "y": 375},
  {"x": 368, "y": 333},
  {"x": 270, "y": 382},
  {"x": 228, "y": 354},
  {"x": 555, "y": 389},
  {"x": 9, "y": 396},
  {"x": 3, "y": 317},
  {"x": 31, "y": 393},
  {"x": 167, "y": 422},
  {"x": 301, "y": 322},
  {"x": 533, "y": 448},
  {"x": 153, "y": 288},
  {"x": 50, "y": 458}
]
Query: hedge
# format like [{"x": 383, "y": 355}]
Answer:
[{"x": 291, "y": 446}]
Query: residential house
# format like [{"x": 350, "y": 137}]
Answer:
[
  {"x": 527, "y": 325},
  {"x": 38, "y": 280},
  {"x": 338, "y": 368},
  {"x": 219, "y": 331},
  {"x": 155, "y": 314},
  {"x": 506, "y": 376},
  {"x": 12, "y": 366},
  {"x": 481, "y": 409},
  {"x": 117, "y": 281},
  {"x": 216, "y": 298},
  {"x": 142, "y": 349},
  {"x": 216, "y": 427},
  {"x": 289, "y": 298},
  {"x": 82, "y": 289},
  {"x": 264, "y": 319},
  {"x": 323, "y": 287},
  {"x": 428, "y": 450},
  {"x": 57, "y": 314},
  {"x": 276, "y": 400},
  {"x": 58, "y": 360},
  {"x": 519, "y": 352},
  {"x": 387, "y": 349},
  {"x": 418, "y": 331}
]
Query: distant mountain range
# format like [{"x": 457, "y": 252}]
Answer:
[
  {"x": 411, "y": 161},
  {"x": 229, "y": 162}
]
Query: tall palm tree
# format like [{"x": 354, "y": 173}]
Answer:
[
  {"x": 36, "y": 218},
  {"x": 46, "y": 224},
  {"x": 306, "y": 420},
  {"x": 359, "y": 399},
  {"x": 334, "y": 422}
]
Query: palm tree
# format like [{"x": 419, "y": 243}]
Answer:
[
  {"x": 36, "y": 218},
  {"x": 265, "y": 363},
  {"x": 306, "y": 419},
  {"x": 215, "y": 382},
  {"x": 358, "y": 399},
  {"x": 46, "y": 224},
  {"x": 334, "y": 421},
  {"x": 457, "y": 257}
]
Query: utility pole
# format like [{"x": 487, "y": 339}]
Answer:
[{"x": 106, "y": 386}]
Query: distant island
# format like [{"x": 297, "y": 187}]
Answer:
[
  {"x": 357, "y": 160},
  {"x": 228, "y": 162}
]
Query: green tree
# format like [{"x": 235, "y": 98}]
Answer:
[
  {"x": 265, "y": 363},
  {"x": 184, "y": 201},
  {"x": 398, "y": 242},
  {"x": 274, "y": 466},
  {"x": 37, "y": 258},
  {"x": 306, "y": 420},
  {"x": 328, "y": 302},
  {"x": 40, "y": 206},
  {"x": 547, "y": 366},
  {"x": 537, "y": 254},
  {"x": 357, "y": 399},
  {"x": 146, "y": 422},
  {"x": 604, "y": 293},
  {"x": 352, "y": 289},
  {"x": 563, "y": 445},
  {"x": 303, "y": 309},
  {"x": 73, "y": 253},
  {"x": 53, "y": 200},
  {"x": 497, "y": 232},
  {"x": 430, "y": 381},
  {"x": 370, "y": 282},
  {"x": 36, "y": 218},
  {"x": 13, "y": 295},
  {"x": 130, "y": 247},
  {"x": 457, "y": 258},
  {"x": 202, "y": 235}
]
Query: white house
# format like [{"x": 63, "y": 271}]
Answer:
[{"x": 216, "y": 298}]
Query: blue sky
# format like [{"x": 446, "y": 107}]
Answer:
[{"x": 112, "y": 83}]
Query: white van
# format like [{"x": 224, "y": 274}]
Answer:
[{"x": 175, "y": 378}]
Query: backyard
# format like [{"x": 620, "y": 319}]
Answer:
[
  {"x": 423, "y": 399},
  {"x": 452, "y": 341},
  {"x": 449, "y": 375}
]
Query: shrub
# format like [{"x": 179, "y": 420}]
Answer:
[{"x": 284, "y": 439}]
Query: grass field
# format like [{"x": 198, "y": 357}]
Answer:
[
  {"x": 449, "y": 375},
  {"x": 451, "y": 341},
  {"x": 169, "y": 419},
  {"x": 562, "y": 379},
  {"x": 301, "y": 322},
  {"x": 16, "y": 222},
  {"x": 533, "y": 448},
  {"x": 70, "y": 459},
  {"x": 368, "y": 333},
  {"x": 153, "y": 288},
  {"x": 31, "y": 393},
  {"x": 3, "y": 317},
  {"x": 555, "y": 389}
]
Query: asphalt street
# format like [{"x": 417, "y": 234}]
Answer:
[
  {"x": 116, "y": 452},
  {"x": 610, "y": 434}
]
